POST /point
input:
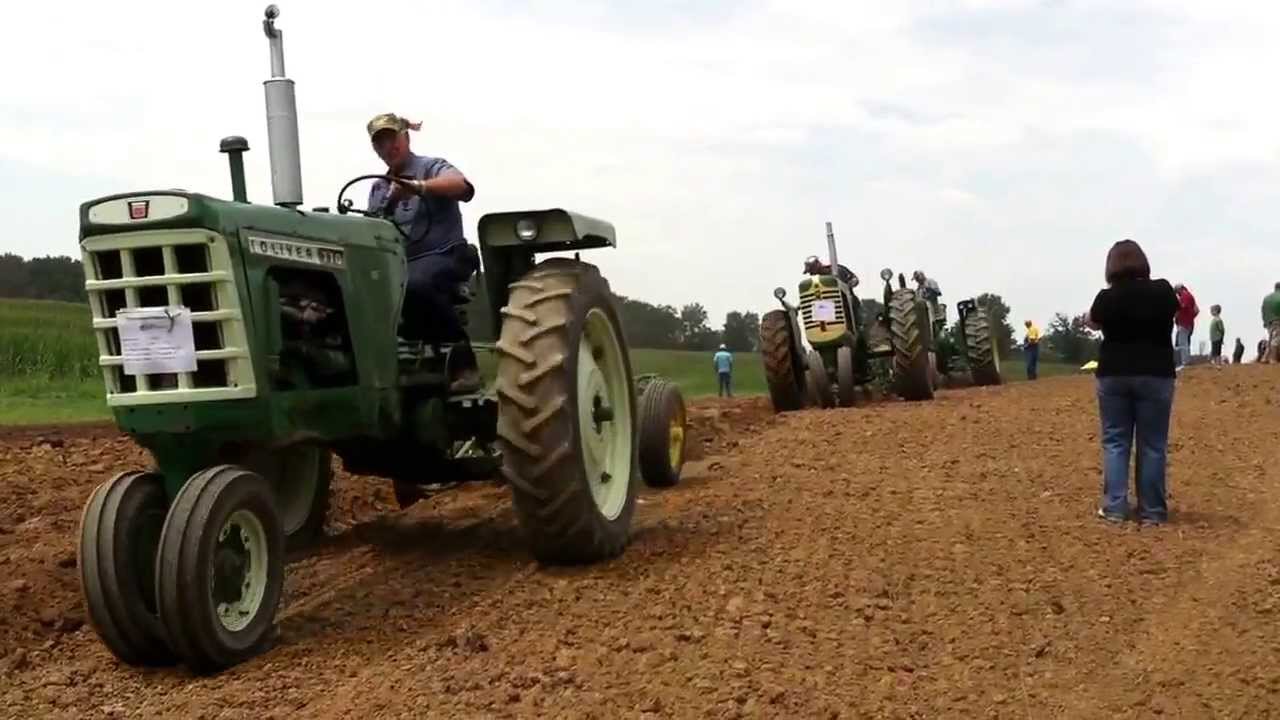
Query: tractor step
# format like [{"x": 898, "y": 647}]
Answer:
[
  {"x": 413, "y": 351},
  {"x": 472, "y": 400}
]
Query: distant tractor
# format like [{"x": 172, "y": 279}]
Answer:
[
  {"x": 973, "y": 348},
  {"x": 245, "y": 346},
  {"x": 837, "y": 368}
]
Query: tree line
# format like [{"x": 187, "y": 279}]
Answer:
[
  {"x": 663, "y": 327},
  {"x": 42, "y": 278},
  {"x": 657, "y": 327}
]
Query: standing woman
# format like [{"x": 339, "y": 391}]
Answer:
[{"x": 1135, "y": 381}]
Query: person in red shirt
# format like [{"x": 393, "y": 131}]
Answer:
[{"x": 1185, "y": 322}]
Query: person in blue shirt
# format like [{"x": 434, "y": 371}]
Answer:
[
  {"x": 723, "y": 362},
  {"x": 437, "y": 251}
]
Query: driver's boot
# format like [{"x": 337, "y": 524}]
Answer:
[{"x": 464, "y": 373}]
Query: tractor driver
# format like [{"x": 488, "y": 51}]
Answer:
[
  {"x": 928, "y": 287},
  {"x": 426, "y": 206},
  {"x": 814, "y": 266}
]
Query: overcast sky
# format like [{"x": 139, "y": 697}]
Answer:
[{"x": 998, "y": 146}]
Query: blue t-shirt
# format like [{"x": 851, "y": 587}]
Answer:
[
  {"x": 433, "y": 223},
  {"x": 724, "y": 361}
]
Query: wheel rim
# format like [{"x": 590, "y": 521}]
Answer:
[
  {"x": 604, "y": 413},
  {"x": 675, "y": 450},
  {"x": 238, "y": 574}
]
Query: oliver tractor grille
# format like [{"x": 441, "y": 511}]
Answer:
[
  {"x": 166, "y": 268},
  {"x": 810, "y": 299}
]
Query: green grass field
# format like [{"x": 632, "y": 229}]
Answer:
[
  {"x": 48, "y": 363},
  {"x": 49, "y": 373}
]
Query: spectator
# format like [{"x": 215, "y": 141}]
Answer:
[
  {"x": 1186, "y": 322},
  {"x": 1217, "y": 334},
  {"x": 1271, "y": 321},
  {"x": 1135, "y": 381},
  {"x": 1238, "y": 356},
  {"x": 723, "y": 362},
  {"x": 1031, "y": 346}
]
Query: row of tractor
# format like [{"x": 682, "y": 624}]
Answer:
[
  {"x": 827, "y": 350},
  {"x": 252, "y": 348}
]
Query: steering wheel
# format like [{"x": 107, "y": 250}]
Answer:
[{"x": 383, "y": 213}]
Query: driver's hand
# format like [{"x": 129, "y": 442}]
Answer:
[{"x": 403, "y": 189}]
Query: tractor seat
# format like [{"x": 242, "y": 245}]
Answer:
[{"x": 462, "y": 292}]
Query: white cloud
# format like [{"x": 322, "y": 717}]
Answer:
[{"x": 999, "y": 145}]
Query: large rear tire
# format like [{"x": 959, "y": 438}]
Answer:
[
  {"x": 778, "y": 354},
  {"x": 980, "y": 348},
  {"x": 662, "y": 434},
  {"x": 119, "y": 536},
  {"x": 220, "y": 575},
  {"x": 912, "y": 362},
  {"x": 566, "y": 414}
]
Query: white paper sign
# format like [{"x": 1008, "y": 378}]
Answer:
[
  {"x": 824, "y": 311},
  {"x": 156, "y": 340}
]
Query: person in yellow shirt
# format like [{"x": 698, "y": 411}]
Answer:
[{"x": 1031, "y": 348}]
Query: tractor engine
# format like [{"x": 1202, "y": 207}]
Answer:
[{"x": 315, "y": 347}]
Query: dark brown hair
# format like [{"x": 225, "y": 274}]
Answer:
[{"x": 1126, "y": 261}]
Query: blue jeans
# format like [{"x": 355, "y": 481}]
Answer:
[
  {"x": 429, "y": 314},
  {"x": 725, "y": 385},
  {"x": 1033, "y": 360},
  {"x": 1129, "y": 406},
  {"x": 1184, "y": 345}
]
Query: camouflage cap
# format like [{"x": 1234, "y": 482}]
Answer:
[
  {"x": 390, "y": 121},
  {"x": 386, "y": 121}
]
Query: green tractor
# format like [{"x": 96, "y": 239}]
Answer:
[
  {"x": 845, "y": 348},
  {"x": 972, "y": 348},
  {"x": 246, "y": 346}
]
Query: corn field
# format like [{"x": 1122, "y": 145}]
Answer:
[{"x": 45, "y": 339}]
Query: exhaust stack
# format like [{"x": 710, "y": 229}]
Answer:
[
  {"x": 831, "y": 248},
  {"x": 234, "y": 147},
  {"x": 282, "y": 121}
]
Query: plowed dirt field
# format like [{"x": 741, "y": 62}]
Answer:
[{"x": 936, "y": 560}]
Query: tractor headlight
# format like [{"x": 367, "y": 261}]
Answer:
[
  {"x": 527, "y": 230},
  {"x": 885, "y": 274},
  {"x": 853, "y": 280},
  {"x": 779, "y": 293}
]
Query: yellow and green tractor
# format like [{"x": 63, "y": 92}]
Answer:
[{"x": 823, "y": 350}]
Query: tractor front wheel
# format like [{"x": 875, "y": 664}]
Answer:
[
  {"x": 819, "y": 381},
  {"x": 981, "y": 350},
  {"x": 566, "y": 413},
  {"x": 777, "y": 352},
  {"x": 301, "y": 476},
  {"x": 846, "y": 390},
  {"x": 913, "y": 364},
  {"x": 221, "y": 568},
  {"x": 119, "y": 535},
  {"x": 662, "y": 434}
]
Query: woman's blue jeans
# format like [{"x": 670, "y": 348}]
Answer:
[{"x": 1135, "y": 406}]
